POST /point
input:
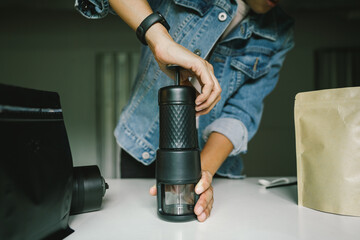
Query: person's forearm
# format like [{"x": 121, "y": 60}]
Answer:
[
  {"x": 133, "y": 12},
  {"x": 166, "y": 51},
  {"x": 216, "y": 150}
]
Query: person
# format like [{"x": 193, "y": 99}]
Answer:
[{"x": 234, "y": 48}]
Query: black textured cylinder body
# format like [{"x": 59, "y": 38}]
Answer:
[
  {"x": 178, "y": 167},
  {"x": 177, "y": 118}
]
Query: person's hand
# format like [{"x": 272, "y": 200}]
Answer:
[
  {"x": 205, "y": 190},
  {"x": 167, "y": 51}
]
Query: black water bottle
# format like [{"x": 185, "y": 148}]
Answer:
[{"x": 178, "y": 166}]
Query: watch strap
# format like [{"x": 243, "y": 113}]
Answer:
[{"x": 147, "y": 23}]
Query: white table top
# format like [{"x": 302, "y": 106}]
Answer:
[{"x": 242, "y": 210}]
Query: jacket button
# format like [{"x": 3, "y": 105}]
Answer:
[
  {"x": 145, "y": 155},
  {"x": 197, "y": 52},
  {"x": 242, "y": 30},
  {"x": 222, "y": 16}
]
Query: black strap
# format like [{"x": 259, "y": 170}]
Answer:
[{"x": 147, "y": 23}]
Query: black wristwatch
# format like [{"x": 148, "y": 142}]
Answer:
[{"x": 147, "y": 23}]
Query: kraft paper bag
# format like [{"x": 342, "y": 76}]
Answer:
[{"x": 327, "y": 127}]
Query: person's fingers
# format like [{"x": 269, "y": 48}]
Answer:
[
  {"x": 203, "y": 201},
  {"x": 214, "y": 97},
  {"x": 209, "y": 208},
  {"x": 173, "y": 53},
  {"x": 153, "y": 190},
  {"x": 207, "y": 110},
  {"x": 206, "y": 213},
  {"x": 205, "y": 190},
  {"x": 210, "y": 205},
  {"x": 204, "y": 183},
  {"x": 202, "y": 217},
  {"x": 203, "y": 73}
]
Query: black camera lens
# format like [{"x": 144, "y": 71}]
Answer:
[{"x": 89, "y": 187}]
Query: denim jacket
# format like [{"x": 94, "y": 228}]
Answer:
[{"x": 246, "y": 63}]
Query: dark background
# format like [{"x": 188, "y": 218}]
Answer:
[{"x": 48, "y": 45}]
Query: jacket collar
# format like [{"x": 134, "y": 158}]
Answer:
[
  {"x": 203, "y": 6},
  {"x": 263, "y": 25}
]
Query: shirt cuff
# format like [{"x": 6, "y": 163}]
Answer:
[
  {"x": 93, "y": 9},
  {"x": 231, "y": 128}
]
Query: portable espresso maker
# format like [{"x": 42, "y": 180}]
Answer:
[{"x": 178, "y": 166}]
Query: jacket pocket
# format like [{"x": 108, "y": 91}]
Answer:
[
  {"x": 253, "y": 61},
  {"x": 199, "y": 6}
]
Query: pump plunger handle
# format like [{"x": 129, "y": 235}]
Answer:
[
  {"x": 177, "y": 69},
  {"x": 177, "y": 76}
]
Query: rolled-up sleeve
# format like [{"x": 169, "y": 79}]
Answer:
[
  {"x": 231, "y": 128},
  {"x": 240, "y": 117},
  {"x": 93, "y": 9}
]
